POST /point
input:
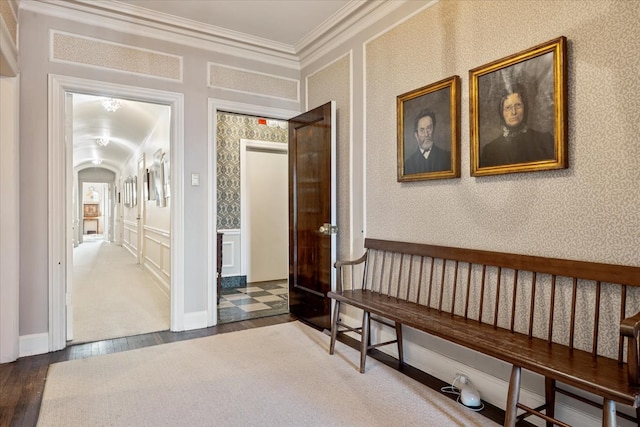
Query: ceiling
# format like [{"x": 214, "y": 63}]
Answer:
[
  {"x": 125, "y": 129},
  {"x": 256, "y": 20},
  {"x": 282, "y": 21}
]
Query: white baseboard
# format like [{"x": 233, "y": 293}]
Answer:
[
  {"x": 195, "y": 320},
  {"x": 34, "y": 344},
  {"x": 492, "y": 389}
]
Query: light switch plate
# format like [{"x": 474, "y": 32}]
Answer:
[{"x": 195, "y": 179}]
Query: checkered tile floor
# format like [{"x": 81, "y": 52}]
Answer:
[{"x": 256, "y": 300}]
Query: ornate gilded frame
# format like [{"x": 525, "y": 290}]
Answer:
[
  {"x": 442, "y": 99},
  {"x": 541, "y": 73}
]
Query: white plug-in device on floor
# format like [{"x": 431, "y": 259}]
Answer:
[
  {"x": 470, "y": 397},
  {"x": 466, "y": 395}
]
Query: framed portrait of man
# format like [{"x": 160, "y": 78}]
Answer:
[
  {"x": 518, "y": 112},
  {"x": 429, "y": 132}
]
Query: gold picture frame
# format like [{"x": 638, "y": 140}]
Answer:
[
  {"x": 428, "y": 132},
  {"x": 518, "y": 112}
]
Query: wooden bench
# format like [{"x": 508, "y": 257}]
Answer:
[{"x": 575, "y": 323}]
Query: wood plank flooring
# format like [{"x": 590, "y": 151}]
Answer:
[{"x": 22, "y": 382}]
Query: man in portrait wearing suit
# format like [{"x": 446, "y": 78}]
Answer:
[
  {"x": 427, "y": 157},
  {"x": 518, "y": 143}
]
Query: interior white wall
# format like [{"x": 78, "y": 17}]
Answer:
[{"x": 266, "y": 202}]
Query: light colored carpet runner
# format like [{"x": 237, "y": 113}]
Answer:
[
  {"x": 112, "y": 296},
  {"x": 278, "y": 375}
]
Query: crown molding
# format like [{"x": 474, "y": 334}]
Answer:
[
  {"x": 111, "y": 15},
  {"x": 344, "y": 27}
]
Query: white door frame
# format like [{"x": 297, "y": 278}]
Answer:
[
  {"x": 244, "y": 231},
  {"x": 216, "y": 105},
  {"x": 142, "y": 200},
  {"x": 60, "y": 217}
]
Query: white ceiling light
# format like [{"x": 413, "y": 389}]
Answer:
[
  {"x": 96, "y": 161},
  {"x": 111, "y": 104},
  {"x": 102, "y": 141}
]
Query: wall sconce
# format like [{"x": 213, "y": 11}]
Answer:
[
  {"x": 110, "y": 104},
  {"x": 103, "y": 141}
]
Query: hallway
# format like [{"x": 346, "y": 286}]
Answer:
[{"x": 112, "y": 295}]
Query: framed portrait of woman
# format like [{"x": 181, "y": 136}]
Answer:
[{"x": 518, "y": 112}]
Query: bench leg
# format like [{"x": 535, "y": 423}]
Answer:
[
  {"x": 334, "y": 327},
  {"x": 608, "y": 413},
  {"x": 512, "y": 398},
  {"x": 364, "y": 344},
  {"x": 400, "y": 347},
  {"x": 550, "y": 398}
]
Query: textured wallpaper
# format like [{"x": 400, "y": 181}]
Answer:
[
  {"x": 252, "y": 82},
  {"x": 232, "y": 128},
  {"x": 590, "y": 211},
  {"x": 333, "y": 84},
  {"x": 98, "y": 53}
]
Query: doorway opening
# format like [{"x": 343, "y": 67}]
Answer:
[
  {"x": 252, "y": 217},
  {"x": 112, "y": 287}
]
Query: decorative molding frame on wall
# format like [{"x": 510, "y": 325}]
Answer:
[
  {"x": 157, "y": 255},
  {"x": 90, "y": 52},
  {"x": 130, "y": 236},
  {"x": 224, "y": 77},
  {"x": 231, "y": 253}
]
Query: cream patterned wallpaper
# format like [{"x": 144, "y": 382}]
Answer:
[
  {"x": 252, "y": 82},
  {"x": 8, "y": 15},
  {"x": 333, "y": 84},
  {"x": 590, "y": 211},
  {"x": 232, "y": 128},
  {"x": 98, "y": 53}
]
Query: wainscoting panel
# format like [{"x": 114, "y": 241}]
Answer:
[
  {"x": 157, "y": 255},
  {"x": 130, "y": 237},
  {"x": 231, "y": 250}
]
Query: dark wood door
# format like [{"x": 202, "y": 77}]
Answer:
[{"x": 311, "y": 204}]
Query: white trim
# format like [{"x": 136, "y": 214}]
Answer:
[
  {"x": 52, "y": 58},
  {"x": 34, "y": 344},
  {"x": 59, "y": 264},
  {"x": 195, "y": 320},
  {"x": 334, "y": 193},
  {"x": 9, "y": 220},
  {"x": 216, "y": 105},
  {"x": 342, "y": 30},
  {"x": 245, "y": 144},
  {"x": 96, "y": 14}
]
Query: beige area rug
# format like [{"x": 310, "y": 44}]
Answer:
[
  {"x": 112, "y": 296},
  {"x": 278, "y": 375}
]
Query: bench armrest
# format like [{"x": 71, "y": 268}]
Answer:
[
  {"x": 339, "y": 264},
  {"x": 630, "y": 328}
]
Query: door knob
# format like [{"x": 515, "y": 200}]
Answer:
[{"x": 328, "y": 229}]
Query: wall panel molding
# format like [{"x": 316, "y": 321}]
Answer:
[
  {"x": 252, "y": 82},
  {"x": 81, "y": 50}
]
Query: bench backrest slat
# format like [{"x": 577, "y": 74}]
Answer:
[
  {"x": 576, "y": 301},
  {"x": 532, "y": 301},
  {"x": 572, "y": 328},
  {"x": 596, "y": 321},
  {"x": 514, "y": 296}
]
